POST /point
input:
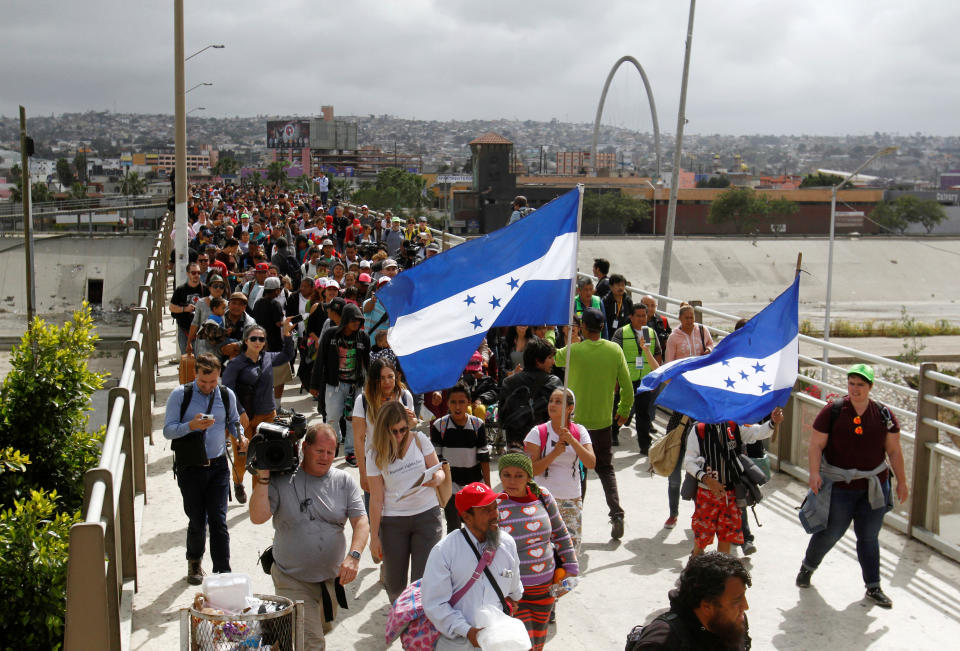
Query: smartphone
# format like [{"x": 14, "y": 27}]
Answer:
[
  {"x": 207, "y": 416},
  {"x": 296, "y": 319}
]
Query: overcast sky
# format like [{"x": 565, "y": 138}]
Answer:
[{"x": 815, "y": 67}]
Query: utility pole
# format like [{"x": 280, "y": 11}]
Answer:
[
  {"x": 26, "y": 199},
  {"x": 675, "y": 174},
  {"x": 180, "y": 151}
]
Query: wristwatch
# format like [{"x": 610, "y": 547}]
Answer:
[{"x": 355, "y": 555}]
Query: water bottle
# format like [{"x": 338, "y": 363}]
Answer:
[{"x": 568, "y": 584}]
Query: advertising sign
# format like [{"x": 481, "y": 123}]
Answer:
[{"x": 282, "y": 134}]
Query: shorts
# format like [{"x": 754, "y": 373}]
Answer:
[
  {"x": 713, "y": 515},
  {"x": 282, "y": 374}
]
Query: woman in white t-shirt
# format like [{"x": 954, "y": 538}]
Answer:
[
  {"x": 381, "y": 387},
  {"x": 556, "y": 464},
  {"x": 405, "y": 520}
]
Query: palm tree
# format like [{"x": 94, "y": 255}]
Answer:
[
  {"x": 133, "y": 184},
  {"x": 277, "y": 172}
]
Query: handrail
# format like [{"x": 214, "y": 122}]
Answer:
[
  {"x": 454, "y": 239},
  {"x": 107, "y": 530}
]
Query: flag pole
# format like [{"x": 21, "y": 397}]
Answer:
[
  {"x": 573, "y": 294},
  {"x": 776, "y": 428}
]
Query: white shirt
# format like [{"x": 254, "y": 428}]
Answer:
[
  {"x": 400, "y": 475},
  {"x": 450, "y": 565},
  {"x": 562, "y": 477},
  {"x": 360, "y": 411}
]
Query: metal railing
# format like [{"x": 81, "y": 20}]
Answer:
[
  {"x": 920, "y": 419},
  {"x": 90, "y": 216},
  {"x": 103, "y": 547},
  {"x": 446, "y": 240}
]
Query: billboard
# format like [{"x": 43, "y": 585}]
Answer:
[
  {"x": 282, "y": 134},
  {"x": 336, "y": 135}
]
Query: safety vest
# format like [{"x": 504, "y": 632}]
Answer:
[{"x": 631, "y": 351}]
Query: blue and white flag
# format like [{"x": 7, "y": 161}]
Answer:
[
  {"x": 441, "y": 309},
  {"x": 751, "y": 371}
]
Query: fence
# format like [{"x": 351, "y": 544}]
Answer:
[
  {"x": 921, "y": 425},
  {"x": 86, "y": 215},
  {"x": 103, "y": 547}
]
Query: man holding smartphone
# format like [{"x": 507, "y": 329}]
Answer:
[{"x": 201, "y": 407}]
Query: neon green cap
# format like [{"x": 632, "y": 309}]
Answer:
[{"x": 864, "y": 371}]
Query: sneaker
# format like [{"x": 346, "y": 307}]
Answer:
[
  {"x": 351, "y": 460},
  {"x": 616, "y": 529},
  {"x": 240, "y": 493},
  {"x": 748, "y": 548},
  {"x": 878, "y": 597},
  {"x": 803, "y": 578},
  {"x": 194, "y": 573},
  {"x": 670, "y": 523}
]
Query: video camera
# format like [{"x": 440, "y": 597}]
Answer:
[
  {"x": 274, "y": 446},
  {"x": 368, "y": 249}
]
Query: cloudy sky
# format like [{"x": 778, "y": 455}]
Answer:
[{"x": 815, "y": 67}]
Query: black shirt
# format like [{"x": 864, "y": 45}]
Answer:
[
  {"x": 267, "y": 314},
  {"x": 183, "y": 296}
]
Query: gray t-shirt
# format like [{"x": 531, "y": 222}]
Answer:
[{"x": 309, "y": 545}]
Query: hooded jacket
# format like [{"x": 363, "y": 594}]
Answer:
[
  {"x": 326, "y": 368},
  {"x": 679, "y": 629}
]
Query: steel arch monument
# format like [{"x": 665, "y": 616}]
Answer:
[{"x": 603, "y": 98}]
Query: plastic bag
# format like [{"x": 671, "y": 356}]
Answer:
[{"x": 500, "y": 631}]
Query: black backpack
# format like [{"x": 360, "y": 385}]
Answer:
[
  {"x": 518, "y": 411},
  {"x": 188, "y": 395},
  {"x": 635, "y": 636}
]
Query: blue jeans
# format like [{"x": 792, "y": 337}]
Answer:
[
  {"x": 336, "y": 397},
  {"x": 182, "y": 339},
  {"x": 845, "y": 507},
  {"x": 204, "y": 491}
]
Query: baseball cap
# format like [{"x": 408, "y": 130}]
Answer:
[
  {"x": 389, "y": 262},
  {"x": 364, "y": 207},
  {"x": 262, "y": 266},
  {"x": 864, "y": 371},
  {"x": 383, "y": 280},
  {"x": 364, "y": 264},
  {"x": 327, "y": 242},
  {"x": 398, "y": 219},
  {"x": 244, "y": 215},
  {"x": 592, "y": 319},
  {"x": 214, "y": 278},
  {"x": 356, "y": 222},
  {"x": 332, "y": 283},
  {"x": 365, "y": 278},
  {"x": 321, "y": 283},
  {"x": 433, "y": 246},
  {"x": 423, "y": 219},
  {"x": 475, "y": 364},
  {"x": 337, "y": 305},
  {"x": 238, "y": 296},
  {"x": 271, "y": 283},
  {"x": 476, "y": 494}
]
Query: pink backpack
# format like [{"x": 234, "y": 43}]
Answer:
[
  {"x": 407, "y": 619},
  {"x": 542, "y": 429}
]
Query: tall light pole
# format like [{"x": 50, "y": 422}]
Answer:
[
  {"x": 202, "y": 83},
  {"x": 180, "y": 146},
  {"x": 833, "y": 221},
  {"x": 653, "y": 220},
  {"x": 199, "y": 108},
  {"x": 216, "y": 47},
  {"x": 675, "y": 174},
  {"x": 26, "y": 199}
]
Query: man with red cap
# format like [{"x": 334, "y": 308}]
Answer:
[{"x": 455, "y": 562}]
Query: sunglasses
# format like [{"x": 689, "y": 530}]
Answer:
[
  {"x": 399, "y": 431},
  {"x": 194, "y": 273},
  {"x": 217, "y": 286},
  {"x": 255, "y": 338}
]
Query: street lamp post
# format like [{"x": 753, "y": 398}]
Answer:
[
  {"x": 202, "y": 83},
  {"x": 216, "y": 47},
  {"x": 199, "y": 108},
  {"x": 653, "y": 220},
  {"x": 675, "y": 175},
  {"x": 833, "y": 221}
]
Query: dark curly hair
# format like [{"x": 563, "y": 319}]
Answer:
[{"x": 705, "y": 578}]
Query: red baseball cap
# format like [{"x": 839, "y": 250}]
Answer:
[
  {"x": 262, "y": 266},
  {"x": 364, "y": 278},
  {"x": 476, "y": 494}
]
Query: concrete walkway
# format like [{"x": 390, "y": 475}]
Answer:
[{"x": 625, "y": 583}]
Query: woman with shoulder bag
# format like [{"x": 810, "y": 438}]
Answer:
[
  {"x": 405, "y": 519},
  {"x": 250, "y": 375},
  {"x": 530, "y": 515}
]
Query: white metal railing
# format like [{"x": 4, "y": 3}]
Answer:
[{"x": 103, "y": 547}]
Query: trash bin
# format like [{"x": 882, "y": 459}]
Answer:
[{"x": 276, "y": 626}]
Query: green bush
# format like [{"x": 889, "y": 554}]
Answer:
[
  {"x": 34, "y": 547},
  {"x": 44, "y": 404}
]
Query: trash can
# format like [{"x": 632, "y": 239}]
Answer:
[{"x": 277, "y": 625}]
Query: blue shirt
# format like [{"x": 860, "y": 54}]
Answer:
[{"x": 215, "y": 438}]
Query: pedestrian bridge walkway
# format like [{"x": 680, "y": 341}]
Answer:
[{"x": 625, "y": 582}]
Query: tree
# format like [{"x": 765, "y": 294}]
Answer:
[
  {"x": 907, "y": 209},
  {"x": 341, "y": 189},
  {"x": 395, "y": 189},
  {"x": 615, "y": 207},
  {"x": 133, "y": 184},
  {"x": 78, "y": 190},
  {"x": 820, "y": 180},
  {"x": 277, "y": 172},
  {"x": 40, "y": 192},
  {"x": 720, "y": 181},
  {"x": 226, "y": 166},
  {"x": 64, "y": 173},
  {"x": 80, "y": 165},
  {"x": 746, "y": 209}
]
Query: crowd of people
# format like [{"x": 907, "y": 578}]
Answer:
[{"x": 283, "y": 286}]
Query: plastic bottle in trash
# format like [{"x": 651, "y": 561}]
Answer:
[{"x": 568, "y": 584}]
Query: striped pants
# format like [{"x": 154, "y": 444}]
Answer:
[{"x": 534, "y": 611}]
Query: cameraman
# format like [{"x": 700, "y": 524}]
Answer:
[{"x": 309, "y": 509}]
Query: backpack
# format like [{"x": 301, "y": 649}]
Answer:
[
  {"x": 443, "y": 423},
  {"x": 635, "y": 636},
  {"x": 188, "y": 396},
  {"x": 518, "y": 411},
  {"x": 574, "y": 430},
  {"x": 837, "y": 404}
]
